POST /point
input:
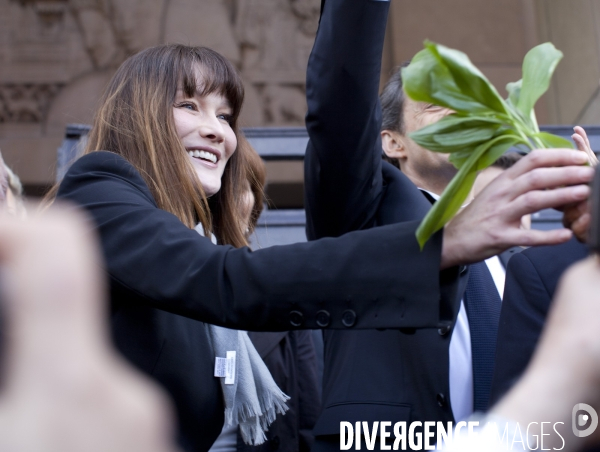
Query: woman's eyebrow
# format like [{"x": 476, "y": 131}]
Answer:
[{"x": 227, "y": 104}]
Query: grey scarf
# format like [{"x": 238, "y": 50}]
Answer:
[{"x": 253, "y": 399}]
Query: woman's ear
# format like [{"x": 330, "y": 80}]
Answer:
[{"x": 393, "y": 144}]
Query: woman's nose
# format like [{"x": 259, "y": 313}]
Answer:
[{"x": 212, "y": 130}]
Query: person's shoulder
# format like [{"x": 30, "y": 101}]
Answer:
[
  {"x": 105, "y": 165},
  {"x": 557, "y": 255},
  {"x": 546, "y": 264},
  {"x": 101, "y": 171},
  {"x": 100, "y": 160}
]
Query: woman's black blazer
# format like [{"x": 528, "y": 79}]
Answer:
[{"x": 165, "y": 280}]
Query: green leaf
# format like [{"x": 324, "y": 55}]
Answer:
[
  {"x": 426, "y": 80},
  {"x": 514, "y": 92},
  {"x": 459, "y": 158},
  {"x": 484, "y": 125},
  {"x": 496, "y": 151},
  {"x": 449, "y": 203},
  {"x": 538, "y": 66},
  {"x": 460, "y": 138},
  {"x": 468, "y": 78},
  {"x": 460, "y": 186},
  {"x": 453, "y": 133},
  {"x": 553, "y": 141}
]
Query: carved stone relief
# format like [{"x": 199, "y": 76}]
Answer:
[
  {"x": 26, "y": 102},
  {"x": 269, "y": 40},
  {"x": 39, "y": 42},
  {"x": 275, "y": 38},
  {"x": 56, "y": 56}
]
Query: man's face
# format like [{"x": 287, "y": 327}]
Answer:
[{"x": 429, "y": 170}]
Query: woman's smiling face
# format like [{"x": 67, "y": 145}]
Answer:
[{"x": 203, "y": 126}]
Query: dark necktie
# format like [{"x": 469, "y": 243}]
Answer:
[{"x": 483, "y": 304}]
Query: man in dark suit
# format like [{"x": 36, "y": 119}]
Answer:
[
  {"x": 531, "y": 280},
  {"x": 391, "y": 375},
  {"x": 472, "y": 344},
  {"x": 530, "y": 286}
]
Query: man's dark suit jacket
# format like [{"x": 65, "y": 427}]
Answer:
[
  {"x": 165, "y": 280},
  {"x": 531, "y": 280},
  {"x": 392, "y": 374}
]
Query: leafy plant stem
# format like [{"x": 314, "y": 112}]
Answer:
[
  {"x": 538, "y": 143},
  {"x": 526, "y": 141},
  {"x": 483, "y": 125}
]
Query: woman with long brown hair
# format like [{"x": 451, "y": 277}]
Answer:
[{"x": 166, "y": 160}]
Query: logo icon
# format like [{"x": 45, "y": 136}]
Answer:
[{"x": 585, "y": 420}]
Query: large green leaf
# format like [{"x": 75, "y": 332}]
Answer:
[
  {"x": 460, "y": 138},
  {"x": 519, "y": 122},
  {"x": 460, "y": 186},
  {"x": 514, "y": 92},
  {"x": 459, "y": 158},
  {"x": 468, "y": 78},
  {"x": 496, "y": 151},
  {"x": 449, "y": 203},
  {"x": 453, "y": 133},
  {"x": 484, "y": 125},
  {"x": 550, "y": 140},
  {"x": 425, "y": 79},
  {"x": 538, "y": 66}
]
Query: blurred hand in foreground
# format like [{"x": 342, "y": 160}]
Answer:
[
  {"x": 565, "y": 369},
  {"x": 63, "y": 387}
]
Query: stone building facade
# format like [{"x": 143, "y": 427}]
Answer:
[{"x": 57, "y": 55}]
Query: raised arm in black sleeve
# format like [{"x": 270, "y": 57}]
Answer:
[
  {"x": 343, "y": 177},
  {"x": 378, "y": 277}
]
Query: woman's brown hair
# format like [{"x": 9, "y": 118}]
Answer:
[
  {"x": 135, "y": 120},
  {"x": 256, "y": 177}
]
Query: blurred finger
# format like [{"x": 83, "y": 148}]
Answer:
[
  {"x": 583, "y": 144},
  {"x": 579, "y": 142},
  {"x": 535, "y": 237},
  {"x": 534, "y": 201},
  {"x": 548, "y": 178},
  {"x": 581, "y": 227},
  {"x": 592, "y": 159},
  {"x": 581, "y": 132},
  {"x": 540, "y": 158},
  {"x": 65, "y": 390},
  {"x": 51, "y": 289},
  {"x": 573, "y": 211}
]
